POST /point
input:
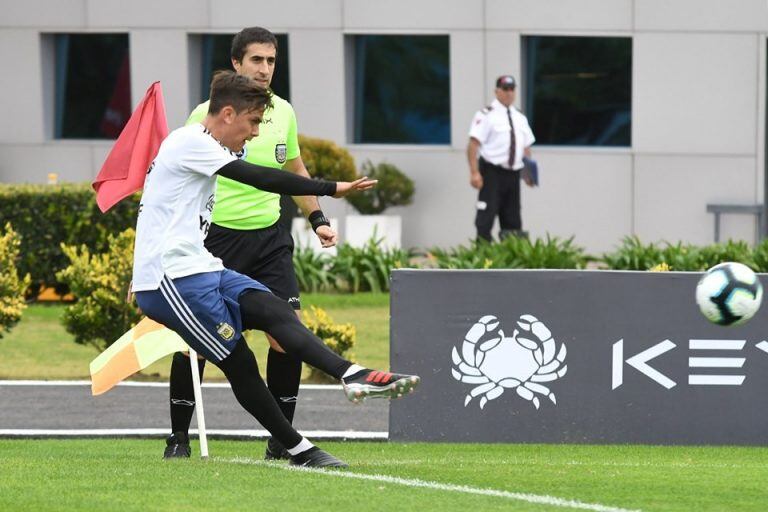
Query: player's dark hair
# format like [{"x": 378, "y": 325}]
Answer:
[
  {"x": 248, "y": 36},
  {"x": 240, "y": 92}
]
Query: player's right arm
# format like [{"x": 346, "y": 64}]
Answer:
[{"x": 280, "y": 182}]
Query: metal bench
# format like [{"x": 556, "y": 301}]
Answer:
[{"x": 750, "y": 209}]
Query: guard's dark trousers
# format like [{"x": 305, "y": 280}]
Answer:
[{"x": 500, "y": 195}]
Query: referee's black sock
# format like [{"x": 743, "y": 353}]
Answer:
[
  {"x": 242, "y": 371},
  {"x": 182, "y": 391},
  {"x": 283, "y": 378},
  {"x": 268, "y": 313}
]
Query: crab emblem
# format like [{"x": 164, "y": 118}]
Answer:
[{"x": 495, "y": 362}]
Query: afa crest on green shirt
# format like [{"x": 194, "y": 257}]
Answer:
[{"x": 280, "y": 152}]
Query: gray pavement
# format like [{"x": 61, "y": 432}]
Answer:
[{"x": 31, "y": 406}]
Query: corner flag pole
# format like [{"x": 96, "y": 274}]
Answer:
[{"x": 198, "y": 405}]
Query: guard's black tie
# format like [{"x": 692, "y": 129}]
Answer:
[{"x": 512, "y": 145}]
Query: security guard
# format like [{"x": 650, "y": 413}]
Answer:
[{"x": 499, "y": 138}]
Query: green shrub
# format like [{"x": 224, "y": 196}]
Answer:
[
  {"x": 12, "y": 288},
  {"x": 394, "y": 189},
  {"x": 366, "y": 268},
  {"x": 324, "y": 159},
  {"x": 340, "y": 338},
  {"x": 512, "y": 252},
  {"x": 632, "y": 254},
  {"x": 738, "y": 251},
  {"x": 99, "y": 282},
  {"x": 312, "y": 270},
  {"x": 47, "y": 216},
  {"x": 760, "y": 256}
]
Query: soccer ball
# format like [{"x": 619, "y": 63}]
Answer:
[{"x": 729, "y": 294}]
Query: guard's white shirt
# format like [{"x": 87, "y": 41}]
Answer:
[
  {"x": 490, "y": 127},
  {"x": 175, "y": 210}
]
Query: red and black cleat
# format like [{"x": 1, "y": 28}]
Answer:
[{"x": 375, "y": 384}]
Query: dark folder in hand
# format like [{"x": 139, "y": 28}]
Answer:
[{"x": 530, "y": 171}]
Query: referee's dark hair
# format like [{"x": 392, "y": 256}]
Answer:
[
  {"x": 248, "y": 36},
  {"x": 240, "y": 92}
]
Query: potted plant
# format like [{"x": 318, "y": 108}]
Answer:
[{"x": 394, "y": 189}]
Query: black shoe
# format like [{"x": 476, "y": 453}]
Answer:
[
  {"x": 177, "y": 446},
  {"x": 376, "y": 384},
  {"x": 317, "y": 458},
  {"x": 275, "y": 450}
]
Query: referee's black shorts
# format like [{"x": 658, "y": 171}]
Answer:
[{"x": 265, "y": 255}]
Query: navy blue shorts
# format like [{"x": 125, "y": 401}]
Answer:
[{"x": 202, "y": 308}]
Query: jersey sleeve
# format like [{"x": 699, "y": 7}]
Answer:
[
  {"x": 292, "y": 137},
  {"x": 479, "y": 128},
  {"x": 201, "y": 154},
  {"x": 198, "y": 114}
]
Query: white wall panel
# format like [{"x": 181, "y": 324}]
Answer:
[
  {"x": 710, "y": 15},
  {"x": 42, "y": 13},
  {"x": 275, "y": 14},
  {"x": 585, "y": 195},
  {"x": 502, "y": 57},
  {"x": 147, "y": 13},
  {"x": 151, "y": 51},
  {"x": 21, "y": 87},
  {"x": 467, "y": 83},
  {"x": 671, "y": 194},
  {"x": 695, "y": 93},
  {"x": 572, "y": 15},
  {"x": 407, "y": 14},
  {"x": 72, "y": 161},
  {"x": 443, "y": 209},
  {"x": 317, "y": 82}
]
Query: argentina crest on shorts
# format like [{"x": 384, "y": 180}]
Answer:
[
  {"x": 225, "y": 330},
  {"x": 280, "y": 152}
]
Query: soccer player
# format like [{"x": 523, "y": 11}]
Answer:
[
  {"x": 178, "y": 283},
  {"x": 246, "y": 235}
]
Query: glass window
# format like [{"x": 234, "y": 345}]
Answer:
[
  {"x": 216, "y": 51},
  {"x": 401, "y": 89},
  {"x": 579, "y": 89},
  {"x": 92, "y": 86}
]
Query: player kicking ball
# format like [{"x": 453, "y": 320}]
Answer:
[{"x": 178, "y": 283}]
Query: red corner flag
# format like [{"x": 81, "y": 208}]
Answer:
[{"x": 125, "y": 168}]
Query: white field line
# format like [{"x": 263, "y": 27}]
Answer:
[
  {"x": 129, "y": 432},
  {"x": 425, "y": 484},
  {"x": 134, "y": 384}
]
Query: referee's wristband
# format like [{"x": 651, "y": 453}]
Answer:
[{"x": 317, "y": 218}]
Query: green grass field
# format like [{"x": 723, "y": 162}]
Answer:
[
  {"x": 127, "y": 475},
  {"x": 39, "y": 347}
]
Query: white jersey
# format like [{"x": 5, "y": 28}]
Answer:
[
  {"x": 490, "y": 127},
  {"x": 175, "y": 209}
]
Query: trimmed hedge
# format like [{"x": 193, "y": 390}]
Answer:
[{"x": 47, "y": 216}]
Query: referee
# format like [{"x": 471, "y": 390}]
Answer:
[
  {"x": 499, "y": 138},
  {"x": 246, "y": 235}
]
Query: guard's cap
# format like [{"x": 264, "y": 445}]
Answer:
[{"x": 506, "y": 82}]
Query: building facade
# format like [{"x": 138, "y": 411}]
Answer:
[{"x": 690, "y": 131}]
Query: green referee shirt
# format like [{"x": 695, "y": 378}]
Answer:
[{"x": 240, "y": 206}]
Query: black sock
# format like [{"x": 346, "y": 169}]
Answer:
[
  {"x": 283, "y": 378},
  {"x": 182, "y": 392},
  {"x": 268, "y": 313},
  {"x": 242, "y": 371}
]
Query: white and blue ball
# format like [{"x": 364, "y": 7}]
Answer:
[{"x": 729, "y": 294}]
